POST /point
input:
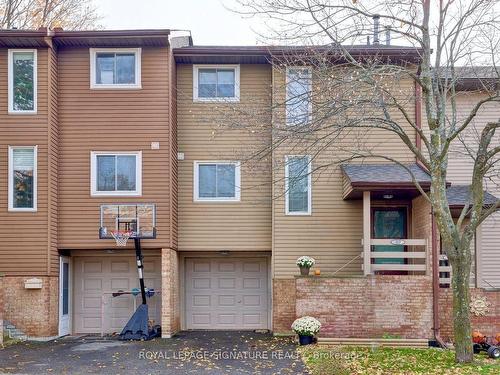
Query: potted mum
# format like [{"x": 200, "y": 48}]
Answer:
[
  {"x": 305, "y": 263},
  {"x": 306, "y": 327}
]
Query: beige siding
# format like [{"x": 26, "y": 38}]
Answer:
[
  {"x": 244, "y": 225},
  {"x": 332, "y": 233},
  {"x": 23, "y": 246},
  {"x": 111, "y": 120},
  {"x": 460, "y": 172}
]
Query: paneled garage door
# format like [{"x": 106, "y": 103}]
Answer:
[
  {"x": 95, "y": 278},
  {"x": 230, "y": 293}
]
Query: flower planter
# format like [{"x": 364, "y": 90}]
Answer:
[
  {"x": 304, "y": 271},
  {"x": 305, "y": 340}
]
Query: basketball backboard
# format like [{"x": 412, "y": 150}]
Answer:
[{"x": 138, "y": 218}]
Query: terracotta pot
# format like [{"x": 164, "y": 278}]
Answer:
[{"x": 304, "y": 271}]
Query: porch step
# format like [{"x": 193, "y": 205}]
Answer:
[
  {"x": 13, "y": 332},
  {"x": 390, "y": 343}
]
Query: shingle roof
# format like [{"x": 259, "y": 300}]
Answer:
[
  {"x": 458, "y": 196},
  {"x": 391, "y": 174}
]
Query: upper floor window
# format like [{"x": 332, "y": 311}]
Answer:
[
  {"x": 298, "y": 185},
  {"x": 216, "y": 83},
  {"x": 22, "y": 81},
  {"x": 298, "y": 95},
  {"x": 112, "y": 68},
  {"x": 217, "y": 181},
  {"x": 22, "y": 178},
  {"x": 116, "y": 173}
]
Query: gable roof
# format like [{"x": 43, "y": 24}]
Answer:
[{"x": 459, "y": 195}]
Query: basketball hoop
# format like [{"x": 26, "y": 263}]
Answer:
[{"x": 121, "y": 237}]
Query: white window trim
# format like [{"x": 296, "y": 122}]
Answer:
[
  {"x": 11, "y": 82},
  {"x": 120, "y": 193},
  {"x": 309, "y": 187},
  {"x": 93, "y": 75},
  {"x": 237, "y": 182},
  {"x": 309, "y": 68},
  {"x": 235, "y": 98},
  {"x": 11, "y": 180}
]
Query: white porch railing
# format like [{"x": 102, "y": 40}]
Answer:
[
  {"x": 444, "y": 279},
  {"x": 414, "y": 259}
]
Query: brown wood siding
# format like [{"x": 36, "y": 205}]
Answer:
[
  {"x": 111, "y": 120},
  {"x": 460, "y": 167},
  {"x": 23, "y": 246},
  {"x": 211, "y": 226},
  {"x": 173, "y": 154},
  {"x": 332, "y": 233}
]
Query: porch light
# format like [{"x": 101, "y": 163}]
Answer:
[{"x": 388, "y": 196}]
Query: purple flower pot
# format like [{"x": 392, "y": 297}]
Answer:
[
  {"x": 304, "y": 271},
  {"x": 305, "y": 340}
]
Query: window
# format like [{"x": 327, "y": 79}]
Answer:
[
  {"x": 22, "y": 178},
  {"x": 22, "y": 81},
  {"x": 217, "y": 181},
  {"x": 116, "y": 173},
  {"x": 298, "y": 185},
  {"x": 115, "y": 68},
  {"x": 298, "y": 95},
  {"x": 216, "y": 83}
]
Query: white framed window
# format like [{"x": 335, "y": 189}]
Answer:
[
  {"x": 22, "y": 76},
  {"x": 22, "y": 178},
  {"x": 115, "y": 68},
  {"x": 298, "y": 197},
  {"x": 217, "y": 181},
  {"x": 216, "y": 83},
  {"x": 298, "y": 95},
  {"x": 116, "y": 173}
]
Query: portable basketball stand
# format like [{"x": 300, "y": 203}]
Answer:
[{"x": 137, "y": 328}]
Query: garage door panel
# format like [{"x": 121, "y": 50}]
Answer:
[
  {"x": 226, "y": 293},
  {"x": 95, "y": 278}
]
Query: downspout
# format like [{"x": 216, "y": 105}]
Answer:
[{"x": 434, "y": 232}]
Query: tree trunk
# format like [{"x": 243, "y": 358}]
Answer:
[{"x": 461, "y": 311}]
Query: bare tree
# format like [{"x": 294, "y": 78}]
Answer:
[
  {"x": 32, "y": 14},
  {"x": 357, "y": 94}
]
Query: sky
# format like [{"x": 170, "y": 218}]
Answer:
[{"x": 209, "y": 21}]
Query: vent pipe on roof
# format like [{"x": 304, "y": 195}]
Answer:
[
  {"x": 387, "y": 35},
  {"x": 376, "y": 24}
]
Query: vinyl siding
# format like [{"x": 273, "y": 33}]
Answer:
[
  {"x": 111, "y": 120},
  {"x": 460, "y": 168},
  {"x": 24, "y": 244},
  {"x": 212, "y": 226},
  {"x": 332, "y": 233}
]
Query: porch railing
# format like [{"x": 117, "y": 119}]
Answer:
[
  {"x": 414, "y": 259},
  {"x": 444, "y": 271}
]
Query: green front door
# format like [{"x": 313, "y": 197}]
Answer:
[{"x": 389, "y": 223}]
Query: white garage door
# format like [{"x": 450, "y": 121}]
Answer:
[
  {"x": 227, "y": 293},
  {"x": 95, "y": 278}
]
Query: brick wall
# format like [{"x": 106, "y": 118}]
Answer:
[
  {"x": 283, "y": 305},
  {"x": 488, "y": 324},
  {"x": 170, "y": 319},
  {"x": 368, "y": 307},
  {"x": 34, "y": 311}
]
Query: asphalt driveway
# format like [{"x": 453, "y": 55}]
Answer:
[{"x": 188, "y": 353}]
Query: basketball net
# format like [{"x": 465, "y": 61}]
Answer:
[{"x": 121, "y": 237}]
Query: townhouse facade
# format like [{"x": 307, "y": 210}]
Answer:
[{"x": 104, "y": 129}]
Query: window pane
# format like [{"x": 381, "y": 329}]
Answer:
[
  {"x": 125, "y": 174},
  {"x": 207, "y": 83},
  {"x": 105, "y": 67},
  {"x": 105, "y": 173},
  {"x": 298, "y": 185},
  {"x": 225, "y": 83},
  {"x": 23, "y": 169},
  {"x": 125, "y": 68},
  {"x": 207, "y": 185},
  {"x": 65, "y": 289},
  {"x": 298, "y": 96},
  {"x": 226, "y": 180},
  {"x": 23, "y": 84}
]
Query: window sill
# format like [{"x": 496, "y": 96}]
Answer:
[
  {"x": 116, "y": 87},
  {"x": 115, "y": 194},
  {"x": 197, "y": 200},
  {"x": 216, "y": 100},
  {"x": 22, "y": 210},
  {"x": 22, "y": 113},
  {"x": 298, "y": 213}
]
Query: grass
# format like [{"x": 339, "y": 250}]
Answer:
[
  {"x": 340, "y": 360},
  {"x": 8, "y": 341}
]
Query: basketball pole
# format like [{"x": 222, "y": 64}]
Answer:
[{"x": 140, "y": 268}]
